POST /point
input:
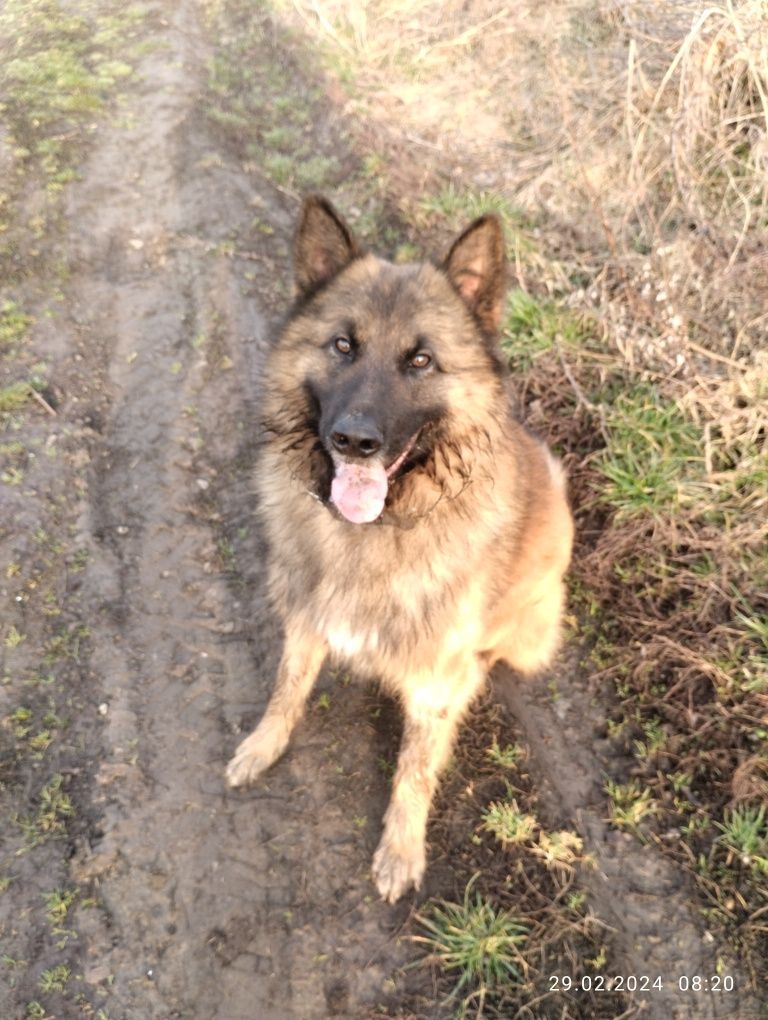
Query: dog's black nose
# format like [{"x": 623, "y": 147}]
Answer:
[{"x": 356, "y": 435}]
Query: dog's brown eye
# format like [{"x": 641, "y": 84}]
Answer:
[
  {"x": 343, "y": 344},
  {"x": 421, "y": 360}
]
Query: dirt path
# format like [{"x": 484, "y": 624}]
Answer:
[{"x": 218, "y": 905}]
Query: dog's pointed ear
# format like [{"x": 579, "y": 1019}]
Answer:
[
  {"x": 324, "y": 244},
  {"x": 477, "y": 267}
]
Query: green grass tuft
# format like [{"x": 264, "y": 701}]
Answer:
[
  {"x": 13, "y": 323},
  {"x": 458, "y": 206},
  {"x": 745, "y": 833},
  {"x": 629, "y": 803},
  {"x": 54, "y": 809},
  {"x": 472, "y": 938},
  {"x": 654, "y": 457},
  {"x": 16, "y": 395},
  {"x": 509, "y": 756},
  {"x": 508, "y": 823},
  {"x": 55, "y": 979},
  {"x": 533, "y": 326},
  {"x": 58, "y": 903}
]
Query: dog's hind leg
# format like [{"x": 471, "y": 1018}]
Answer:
[
  {"x": 433, "y": 710},
  {"x": 303, "y": 655},
  {"x": 531, "y": 635}
]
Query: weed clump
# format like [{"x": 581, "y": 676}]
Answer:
[{"x": 478, "y": 942}]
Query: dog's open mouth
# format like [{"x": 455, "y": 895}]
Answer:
[{"x": 359, "y": 488}]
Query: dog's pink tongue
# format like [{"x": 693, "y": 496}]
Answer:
[{"x": 359, "y": 490}]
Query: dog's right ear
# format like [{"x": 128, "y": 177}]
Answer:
[
  {"x": 324, "y": 245},
  {"x": 477, "y": 265}
]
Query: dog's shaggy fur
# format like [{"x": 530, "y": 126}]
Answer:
[{"x": 388, "y": 379}]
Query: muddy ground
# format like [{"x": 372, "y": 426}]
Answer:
[{"x": 134, "y": 525}]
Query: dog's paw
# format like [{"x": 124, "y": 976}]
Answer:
[
  {"x": 396, "y": 869},
  {"x": 247, "y": 764}
]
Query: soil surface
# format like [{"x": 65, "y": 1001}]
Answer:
[
  {"x": 633, "y": 888},
  {"x": 217, "y": 904}
]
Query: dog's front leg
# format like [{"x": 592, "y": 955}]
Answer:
[
  {"x": 433, "y": 711},
  {"x": 303, "y": 655}
]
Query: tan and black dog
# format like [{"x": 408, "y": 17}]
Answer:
[{"x": 417, "y": 532}]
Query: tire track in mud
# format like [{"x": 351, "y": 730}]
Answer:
[
  {"x": 216, "y": 904},
  {"x": 633, "y": 888}
]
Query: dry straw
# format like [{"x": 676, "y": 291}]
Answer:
[{"x": 705, "y": 124}]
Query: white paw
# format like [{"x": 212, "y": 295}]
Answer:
[
  {"x": 395, "y": 870},
  {"x": 248, "y": 762}
]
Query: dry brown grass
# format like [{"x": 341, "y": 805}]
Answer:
[
  {"x": 636, "y": 132},
  {"x": 704, "y": 124}
]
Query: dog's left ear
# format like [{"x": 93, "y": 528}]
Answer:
[
  {"x": 323, "y": 246},
  {"x": 477, "y": 267}
]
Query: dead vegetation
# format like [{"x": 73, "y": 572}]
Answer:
[{"x": 626, "y": 144}]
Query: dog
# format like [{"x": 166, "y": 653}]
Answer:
[{"x": 416, "y": 530}]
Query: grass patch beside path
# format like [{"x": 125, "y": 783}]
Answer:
[
  {"x": 670, "y": 584},
  {"x": 533, "y": 326},
  {"x": 651, "y": 455},
  {"x": 265, "y": 110},
  {"x": 60, "y": 64}
]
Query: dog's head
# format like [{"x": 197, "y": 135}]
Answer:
[{"x": 383, "y": 370}]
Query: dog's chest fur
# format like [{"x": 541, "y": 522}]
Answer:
[{"x": 381, "y": 595}]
